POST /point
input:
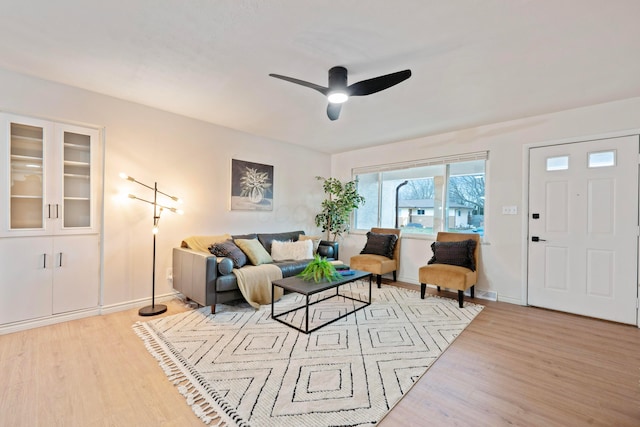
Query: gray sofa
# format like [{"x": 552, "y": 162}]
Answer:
[{"x": 208, "y": 280}]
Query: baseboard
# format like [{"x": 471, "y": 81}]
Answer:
[
  {"x": 510, "y": 300},
  {"x": 142, "y": 302},
  {"x": 404, "y": 279},
  {"x": 9, "y": 328}
]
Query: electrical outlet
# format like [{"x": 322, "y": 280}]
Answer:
[
  {"x": 169, "y": 273},
  {"x": 509, "y": 210}
]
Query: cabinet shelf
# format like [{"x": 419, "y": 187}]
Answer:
[
  {"x": 73, "y": 163},
  {"x": 79, "y": 147},
  {"x": 15, "y": 137},
  {"x": 76, "y": 175},
  {"x": 24, "y": 196},
  {"x": 29, "y": 158}
]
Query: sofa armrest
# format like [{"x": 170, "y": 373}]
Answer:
[
  {"x": 328, "y": 249},
  {"x": 194, "y": 274}
]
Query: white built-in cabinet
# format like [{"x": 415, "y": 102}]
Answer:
[{"x": 50, "y": 189}]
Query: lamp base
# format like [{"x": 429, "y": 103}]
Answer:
[{"x": 152, "y": 310}]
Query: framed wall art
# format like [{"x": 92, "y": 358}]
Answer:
[{"x": 251, "y": 186}]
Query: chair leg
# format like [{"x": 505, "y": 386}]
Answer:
[
  {"x": 423, "y": 289},
  {"x": 460, "y": 298},
  {"x": 379, "y": 280},
  {"x": 213, "y": 309},
  {"x": 394, "y": 277},
  {"x": 472, "y": 291},
  {"x": 438, "y": 288}
]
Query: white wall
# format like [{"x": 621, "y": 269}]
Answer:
[
  {"x": 191, "y": 159},
  {"x": 187, "y": 158},
  {"x": 503, "y": 255}
]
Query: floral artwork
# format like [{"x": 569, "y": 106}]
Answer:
[{"x": 251, "y": 186}]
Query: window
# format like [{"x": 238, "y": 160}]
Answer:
[
  {"x": 602, "y": 159},
  {"x": 444, "y": 194},
  {"x": 560, "y": 163}
]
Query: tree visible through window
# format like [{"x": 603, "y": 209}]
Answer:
[{"x": 448, "y": 196}]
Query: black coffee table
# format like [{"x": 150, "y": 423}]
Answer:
[{"x": 296, "y": 284}]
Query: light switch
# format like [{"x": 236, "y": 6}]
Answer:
[{"x": 509, "y": 210}]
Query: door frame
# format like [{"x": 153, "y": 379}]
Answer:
[{"x": 526, "y": 149}]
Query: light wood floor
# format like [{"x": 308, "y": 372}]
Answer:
[{"x": 512, "y": 366}]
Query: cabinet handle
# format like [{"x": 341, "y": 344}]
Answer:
[
  {"x": 44, "y": 263},
  {"x": 57, "y": 214},
  {"x": 60, "y": 263},
  {"x": 49, "y": 209}
]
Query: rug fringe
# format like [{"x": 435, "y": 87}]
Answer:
[{"x": 189, "y": 384}]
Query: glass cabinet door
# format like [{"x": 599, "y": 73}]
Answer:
[
  {"x": 26, "y": 148},
  {"x": 76, "y": 180}
]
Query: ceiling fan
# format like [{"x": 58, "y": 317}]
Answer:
[{"x": 338, "y": 92}]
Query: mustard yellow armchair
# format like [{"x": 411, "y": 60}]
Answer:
[
  {"x": 454, "y": 266},
  {"x": 379, "y": 264}
]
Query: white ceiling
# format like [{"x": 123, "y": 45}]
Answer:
[{"x": 473, "y": 61}]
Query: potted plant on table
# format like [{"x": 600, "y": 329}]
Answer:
[
  {"x": 319, "y": 269},
  {"x": 342, "y": 199}
]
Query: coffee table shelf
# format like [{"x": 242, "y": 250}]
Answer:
[{"x": 296, "y": 284}]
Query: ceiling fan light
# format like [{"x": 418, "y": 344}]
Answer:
[{"x": 337, "y": 97}]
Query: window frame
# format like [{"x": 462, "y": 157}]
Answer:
[{"x": 446, "y": 161}]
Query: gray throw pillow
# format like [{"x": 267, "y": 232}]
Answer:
[
  {"x": 229, "y": 250},
  {"x": 380, "y": 244},
  {"x": 454, "y": 253}
]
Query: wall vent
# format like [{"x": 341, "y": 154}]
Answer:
[{"x": 481, "y": 294}]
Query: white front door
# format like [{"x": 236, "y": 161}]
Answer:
[{"x": 583, "y": 228}]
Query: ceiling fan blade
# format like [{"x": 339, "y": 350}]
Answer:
[
  {"x": 376, "y": 84},
  {"x": 333, "y": 111},
  {"x": 323, "y": 90}
]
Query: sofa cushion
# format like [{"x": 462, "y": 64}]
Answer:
[
  {"x": 315, "y": 239},
  {"x": 254, "y": 250},
  {"x": 281, "y": 251},
  {"x": 245, "y": 236},
  {"x": 380, "y": 244},
  {"x": 454, "y": 253},
  {"x": 227, "y": 283},
  {"x": 267, "y": 238},
  {"x": 229, "y": 250}
]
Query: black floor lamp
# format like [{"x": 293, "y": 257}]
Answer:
[{"x": 154, "y": 308}]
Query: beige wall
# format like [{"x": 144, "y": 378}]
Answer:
[
  {"x": 504, "y": 250},
  {"x": 188, "y": 158}
]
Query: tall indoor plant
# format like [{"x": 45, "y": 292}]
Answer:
[{"x": 342, "y": 199}]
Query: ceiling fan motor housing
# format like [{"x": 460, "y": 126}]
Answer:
[{"x": 338, "y": 79}]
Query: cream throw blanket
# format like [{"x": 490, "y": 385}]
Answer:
[{"x": 254, "y": 282}]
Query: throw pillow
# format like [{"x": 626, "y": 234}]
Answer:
[
  {"x": 228, "y": 249},
  {"x": 254, "y": 250},
  {"x": 302, "y": 249},
  {"x": 314, "y": 239},
  {"x": 380, "y": 244},
  {"x": 454, "y": 253}
]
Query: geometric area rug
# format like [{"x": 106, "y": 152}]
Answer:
[{"x": 241, "y": 368}]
